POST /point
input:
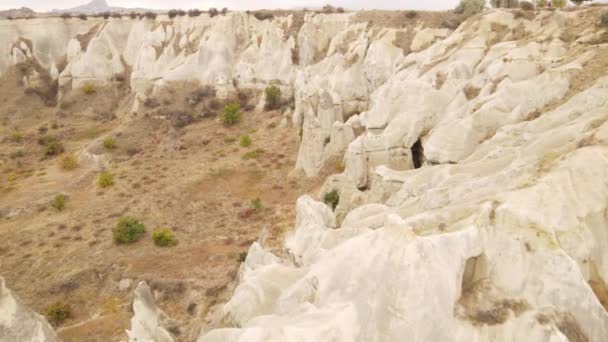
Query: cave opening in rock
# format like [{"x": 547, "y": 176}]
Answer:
[{"x": 417, "y": 154}]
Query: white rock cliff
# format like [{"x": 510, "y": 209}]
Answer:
[{"x": 474, "y": 197}]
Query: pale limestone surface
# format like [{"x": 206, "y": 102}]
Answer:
[{"x": 19, "y": 323}]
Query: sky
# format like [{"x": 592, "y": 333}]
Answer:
[{"x": 46, "y": 5}]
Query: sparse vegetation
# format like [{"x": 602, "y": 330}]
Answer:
[
  {"x": 57, "y": 312},
  {"x": 332, "y": 199},
  {"x": 66, "y": 15},
  {"x": 256, "y": 204},
  {"x": 224, "y": 11},
  {"x": 470, "y": 7},
  {"x": 174, "y": 13},
  {"x": 58, "y": 202},
  {"x": 128, "y": 230},
  {"x": 245, "y": 141},
  {"x": 82, "y": 16},
  {"x": 604, "y": 20},
  {"x": 150, "y": 15},
  {"x": 52, "y": 145},
  {"x": 559, "y": 3},
  {"x": 273, "y": 98},
  {"x": 133, "y": 15},
  {"x": 526, "y": 5},
  {"x": 164, "y": 237},
  {"x": 69, "y": 163},
  {"x": 232, "y": 114},
  {"x": 109, "y": 143},
  {"x": 242, "y": 256},
  {"x": 16, "y": 137},
  {"x": 105, "y": 180},
  {"x": 194, "y": 13},
  {"x": 213, "y": 12},
  {"x": 253, "y": 154},
  {"x": 88, "y": 89}
]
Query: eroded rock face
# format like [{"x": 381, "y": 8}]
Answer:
[
  {"x": 18, "y": 323},
  {"x": 147, "y": 318},
  {"x": 496, "y": 232}
]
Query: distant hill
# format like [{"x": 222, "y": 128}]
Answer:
[
  {"x": 17, "y": 13},
  {"x": 98, "y": 6}
]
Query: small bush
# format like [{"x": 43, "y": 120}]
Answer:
[
  {"x": 116, "y": 15},
  {"x": 273, "y": 98},
  {"x": 261, "y": 16},
  {"x": 411, "y": 14},
  {"x": 17, "y": 137},
  {"x": 58, "y": 202},
  {"x": 332, "y": 199},
  {"x": 57, "y": 313},
  {"x": 470, "y": 7},
  {"x": 256, "y": 204},
  {"x": 172, "y": 13},
  {"x": 242, "y": 256},
  {"x": 128, "y": 230},
  {"x": 559, "y": 3},
  {"x": 245, "y": 141},
  {"x": 213, "y": 12},
  {"x": 105, "y": 15},
  {"x": 109, "y": 143},
  {"x": 133, "y": 15},
  {"x": 66, "y": 15},
  {"x": 224, "y": 11},
  {"x": 150, "y": 15},
  {"x": 88, "y": 89},
  {"x": 51, "y": 144},
  {"x": 163, "y": 237},
  {"x": 604, "y": 20},
  {"x": 253, "y": 154},
  {"x": 69, "y": 163},
  {"x": 232, "y": 114},
  {"x": 83, "y": 16},
  {"x": 194, "y": 13},
  {"x": 526, "y": 5},
  {"x": 105, "y": 180}
]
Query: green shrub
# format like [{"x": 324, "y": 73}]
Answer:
[
  {"x": 559, "y": 3},
  {"x": 245, "y": 141},
  {"x": 273, "y": 98},
  {"x": 256, "y": 204},
  {"x": 253, "y": 154},
  {"x": 51, "y": 144},
  {"x": 242, "y": 256},
  {"x": 57, "y": 313},
  {"x": 17, "y": 137},
  {"x": 109, "y": 143},
  {"x": 128, "y": 230},
  {"x": 470, "y": 7},
  {"x": 88, "y": 89},
  {"x": 163, "y": 237},
  {"x": 69, "y": 163},
  {"x": 232, "y": 114},
  {"x": 58, "y": 202},
  {"x": 105, "y": 180},
  {"x": 604, "y": 19},
  {"x": 332, "y": 199}
]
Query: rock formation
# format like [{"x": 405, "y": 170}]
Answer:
[
  {"x": 146, "y": 322},
  {"x": 474, "y": 198},
  {"x": 18, "y": 323}
]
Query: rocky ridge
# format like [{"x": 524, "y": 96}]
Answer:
[{"x": 473, "y": 199}]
